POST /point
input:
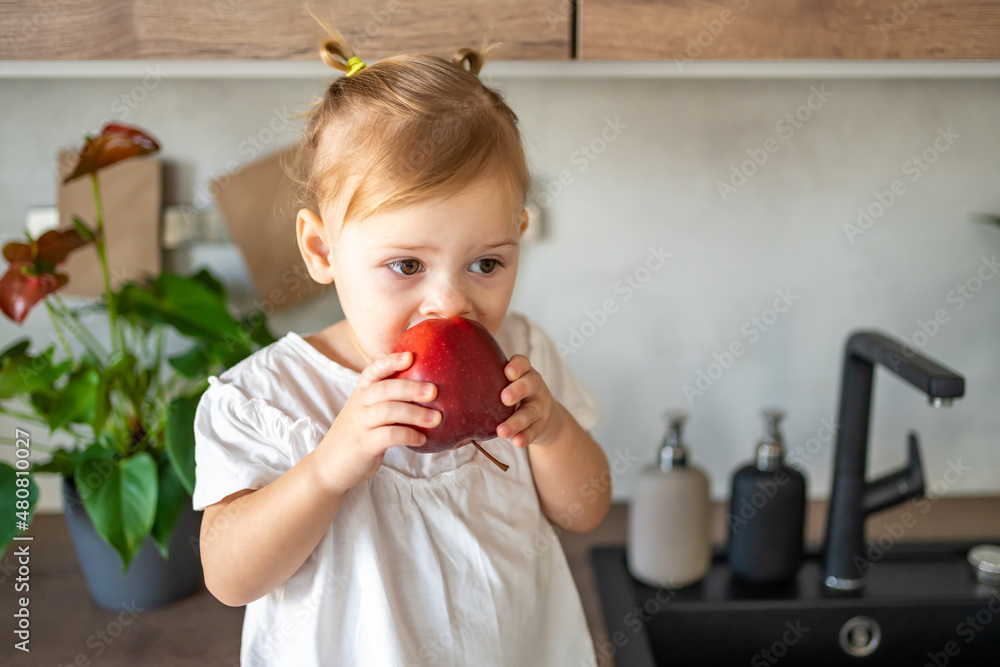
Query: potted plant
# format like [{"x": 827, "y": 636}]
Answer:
[{"x": 128, "y": 411}]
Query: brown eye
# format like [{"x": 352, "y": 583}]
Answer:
[
  {"x": 487, "y": 265},
  {"x": 406, "y": 267}
]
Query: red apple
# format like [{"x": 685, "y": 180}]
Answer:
[{"x": 467, "y": 365}]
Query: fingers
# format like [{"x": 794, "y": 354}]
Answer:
[
  {"x": 527, "y": 436},
  {"x": 519, "y": 421},
  {"x": 526, "y": 385},
  {"x": 384, "y": 366},
  {"x": 398, "y": 389},
  {"x": 517, "y": 366},
  {"x": 400, "y": 412},
  {"x": 384, "y": 437}
]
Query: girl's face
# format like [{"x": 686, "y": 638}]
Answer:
[{"x": 447, "y": 257}]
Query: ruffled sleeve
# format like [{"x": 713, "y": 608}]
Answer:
[
  {"x": 241, "y": 442},
  {"x": 545, "y": 358}
]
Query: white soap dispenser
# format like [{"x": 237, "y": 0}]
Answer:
[{"x": 668, "y": 538}]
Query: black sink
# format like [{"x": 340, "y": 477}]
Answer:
[{"x": 920, "y": 606}]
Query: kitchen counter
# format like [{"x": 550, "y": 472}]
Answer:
[
  {"x": 933, "y": 518},
  {"x": 69, "y": 629}
]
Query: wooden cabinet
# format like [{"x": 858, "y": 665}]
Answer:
[
  {"x": 277, "y": 30},
  {"x": 682, "y": 30},
  {"x": 665, "y": 30}
]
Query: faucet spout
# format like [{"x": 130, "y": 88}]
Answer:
[{"x": 853, "y": 498}]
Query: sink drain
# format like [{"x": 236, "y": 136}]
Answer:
[{"x": 860, "y": 636}]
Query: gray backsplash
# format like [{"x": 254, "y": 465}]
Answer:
[{"x": 650, "y": 272}]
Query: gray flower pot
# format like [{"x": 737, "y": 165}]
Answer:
[{"x": 150, "y": 581}]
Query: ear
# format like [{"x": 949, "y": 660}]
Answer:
[
  {"x": 524, "y": 221},
  {"x": 311, "y": 234}
]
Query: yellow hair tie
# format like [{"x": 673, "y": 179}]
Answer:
[{"x": 355, "y": 64}]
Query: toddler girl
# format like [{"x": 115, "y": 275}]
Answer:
[{"x": 348, "y": 545}]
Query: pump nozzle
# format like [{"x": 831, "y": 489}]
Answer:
[
  {"x": 672, "y": 451},
  {"x": 771, "y": 449}
]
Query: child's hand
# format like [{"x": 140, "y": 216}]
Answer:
[
  {"x": 538, "y": 419},
  {"x": 372, "y": 420}
]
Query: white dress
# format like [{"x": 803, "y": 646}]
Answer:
[{"x": 437, "y": 559}]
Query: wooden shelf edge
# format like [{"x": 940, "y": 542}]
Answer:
[{"x": 535, "y": 69}]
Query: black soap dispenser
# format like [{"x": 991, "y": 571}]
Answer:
[{"x": 767, "y": 512}]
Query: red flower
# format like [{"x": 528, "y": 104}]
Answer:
[
  {"x": 32, "y": 274},
  {"x": 115, "y": 143}
]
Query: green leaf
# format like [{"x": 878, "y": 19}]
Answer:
[
  {"x": 188, "y": 305},
  {"x": 196, "y": 362},
  {"x": 8, "y": 503},
  {"x": 208, "y": 280},
  {"x": 42, "y": 402},
  {"x": 256, "y": 322},
  {"x": 16, "y": 349},
  {"x": 83, "y": 230},
  {"x": 77, "y": 400},
  {"x": 172, "y": 500},
  {"x": 120, "y": 498},
  {"x": 121, "y": 370},
  {"x": 180, "y": 438},
  {"x": 63, "y": 462},
  {"x": 22, "y": 373}
]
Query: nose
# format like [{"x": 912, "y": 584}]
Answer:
[{"x": 447, "y": 298}]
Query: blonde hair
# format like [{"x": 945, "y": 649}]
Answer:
[{"x": 406, "y": 129}]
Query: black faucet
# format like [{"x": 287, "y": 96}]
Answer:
[{"x": 853, "y": 498}]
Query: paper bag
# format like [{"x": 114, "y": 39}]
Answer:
[
  {"x": 258, "y": 207},
  {"x": 131, "y": 194}
]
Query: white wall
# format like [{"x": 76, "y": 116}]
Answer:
[{"x": 655, "y": 183}]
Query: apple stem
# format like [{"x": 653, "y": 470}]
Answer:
[{"x": 502, "y": 466}]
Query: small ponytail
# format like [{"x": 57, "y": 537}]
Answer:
[
  {"x": 470, "y": 56},
  {"x": 336, "y": 52},
  {"x": 330, "y": 51}
]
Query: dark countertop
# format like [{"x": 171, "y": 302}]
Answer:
[
  {"x": 69, "y": 629},
  {"x": 941, "y": 518}
]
